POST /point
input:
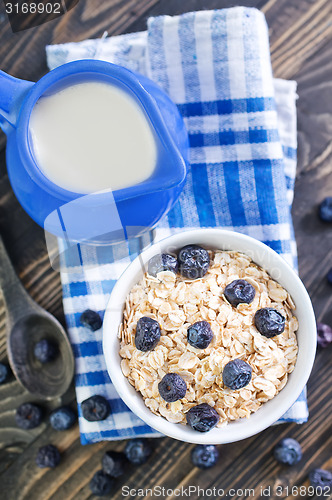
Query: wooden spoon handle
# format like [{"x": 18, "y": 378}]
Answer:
[
  {"x": 17, "y": 300},
  {"x": 8, "y": 276}
]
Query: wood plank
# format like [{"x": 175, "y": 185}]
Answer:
[{"x": 174, "y": 8}]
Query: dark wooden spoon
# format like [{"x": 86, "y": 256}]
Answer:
[{"x": 27, "y": 323}]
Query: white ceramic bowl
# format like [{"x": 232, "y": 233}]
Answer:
[{"x": 279, "y": 270}]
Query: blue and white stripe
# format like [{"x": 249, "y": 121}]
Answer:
[{"x": 215, "y": 65}]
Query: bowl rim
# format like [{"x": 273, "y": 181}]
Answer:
[{"x": 179, "y": 431}]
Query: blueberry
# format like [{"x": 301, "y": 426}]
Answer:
[
  {"x": 321, "y": 478},
  {"x": 329, "y": 276},
  {"x": 200, "y": 334},
  {"x": 101, "y": 484},
  {"x": 48, "y": 456},
  {"x": 91, "y": 319},
  {"x": 28, "y": 416},
  {"x": 172, "y": 387},
  {"x": 204, "y": 456},
  {"x": 202, "y": 417},
  {"x": 62, "y": 418},
  {"x": 239, "y": 292},
  {"x": 147, "y": 334},
  {"x": 236, "y": 374},
  {"x": 269, "y": 322},
  {"x": 324, "y": 335},
  {"x": 138, "y": 451},
  {"x": 325, "y": 209},
  {"x": 4, "y": 373},
  {"x": 162, "y": 262},
  {"x": 114, "y": 463},
  {"x": 287, "y": 451},
  {"x": 193, "y": 261},
  {"x": 45, "y": 350},
  {"x": 95, "y": 408}
]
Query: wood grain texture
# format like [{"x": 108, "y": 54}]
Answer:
[{"x": 301, "y": 47}]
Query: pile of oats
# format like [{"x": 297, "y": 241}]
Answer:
[{"x": 176, "y": 303}]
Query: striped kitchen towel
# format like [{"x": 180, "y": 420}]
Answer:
[{"x": 216, "y": 67}]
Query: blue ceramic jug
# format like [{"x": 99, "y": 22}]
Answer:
[{"x": 107, "y": 216}]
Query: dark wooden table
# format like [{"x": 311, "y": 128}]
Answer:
[{"x": 301, "y": 47}]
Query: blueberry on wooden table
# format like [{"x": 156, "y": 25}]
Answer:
[
  {"x": 320, "y": 478},
  {"x": 4, "y": 373},
  {"x": 45, "y": 351},
  {"x": 193, "y": 261},
  {"x": 62, "y": 418},
  {"x": 113, "y": 463},
  {"x": 28, "y": 416},
  {"x": 137, "y": 451},
  {"x": 147, "y": 334},
  {"x": 101, "y": 483},
  {"x": 91, "y": 320},
  {"x": 239, "y": 292},
  {"x": 204, "y": 456},
  {"x": 172, "y": 387},
  {"x": 95, "y": 408},
  {"x": 269, "y": 322},
  {"x": 329, "y": 276},
  {"x": 162, "y": 262},
  {"x": 325, "y": 209},
  {"x": 202, "y": 417},
  {"x": 288, "y": 451},
  {"x": 48, "y": 456},
  {"x": 200, "y": 334},
  {"x": 236, "y": 374},
  {"x": 324, "y": 335}
]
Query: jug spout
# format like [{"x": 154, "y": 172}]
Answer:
[{"x": 12, "y": 92}]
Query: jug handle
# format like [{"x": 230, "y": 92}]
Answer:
[{"x": 12, "y": 93}]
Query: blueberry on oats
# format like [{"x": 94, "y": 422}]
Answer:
[
  {"x": 193, "y": 261},
  {"x": 200, "y": 334},
  {"x": 239, "y": 292},
  {"x": 147, "y": 334},
  {"x": 162, "y": 262},
  {"x": 172, "y": 387},
  {"x": 269, "y": 322},
  {"x": 236, "y": 374},
  {"x": 202, "y": 417}
]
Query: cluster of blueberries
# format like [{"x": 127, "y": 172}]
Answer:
[
  {"x": 193, "y": 262},
  {"x": 137, "y": 451},
  {"x": 30, "y": 415}
]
